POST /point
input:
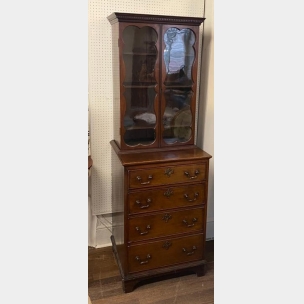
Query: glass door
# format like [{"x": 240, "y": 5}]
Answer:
[
  {"x": 140, "y": 56},
  {"x": 178, "y": 95}
]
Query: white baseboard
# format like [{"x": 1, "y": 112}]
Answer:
[
  {"x": 210, "y": 230},
  {"x": 104, "y": 245}
]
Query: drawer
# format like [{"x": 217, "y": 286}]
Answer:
[
  {"x": 165, "y": 253},
  {"x": 167, "y": 175},
  {"x": 166, "y": 198},
  {"x": 165, "y": 224}
]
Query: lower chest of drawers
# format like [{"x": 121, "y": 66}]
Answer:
[
  {"x": 160, "y": 200},
  {"x": 165, "y": 205}
]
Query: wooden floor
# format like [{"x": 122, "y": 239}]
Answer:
[{"x": 104, "y": 283}]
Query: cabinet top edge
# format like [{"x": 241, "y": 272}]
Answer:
[
  {"x": 144, "y": 18},
  {"x": 165, "y": 156}
]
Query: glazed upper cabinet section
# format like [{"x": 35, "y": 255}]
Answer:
[
  {"x": 158, "y": 79},
  {"x": 140, "y": 97}
]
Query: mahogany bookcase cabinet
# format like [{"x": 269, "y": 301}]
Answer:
[{"x": 159, "y": 175}]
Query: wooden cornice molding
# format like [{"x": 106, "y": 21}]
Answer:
[{"x": 143, "y": 18}]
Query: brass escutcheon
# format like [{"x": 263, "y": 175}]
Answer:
[
  {"x": 169, "y": 171},
  {"x": 168, "y": 193}
]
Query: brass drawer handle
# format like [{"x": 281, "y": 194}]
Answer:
[
  {"x": 191, "y": 177},
  {"x": 194, "y": 220},
  {"x": 191, "y": 200},
  {"x": 143, "y": 262},
  {"x": 144, "y": 183},
  {"x": 144, "y": 206},
  {"x": 191, "y": 252},
  {"x": 144, "y": 232}
]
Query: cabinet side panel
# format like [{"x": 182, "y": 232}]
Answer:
[
  {"x": 206, "y": 204},
  {"x": 116, "y": 84},
  {"x": 118, "y": 206}
]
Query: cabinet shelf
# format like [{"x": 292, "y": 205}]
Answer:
[
  {"x": 176, "y": 127},
  {"x": 140, "y": 54},
  {"x": 143, "y": 142},
  {"x": 139, "y": 127},
  {"x": 178, "y": 86},
  {"x": 138, "y": 85}
]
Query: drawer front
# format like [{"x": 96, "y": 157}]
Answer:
[
  {"x": 167, "y": 175},
  {"x": 166, "y": 198},
  {"x": 166, "y": 224},
  {"x": 165, "y": 253}
]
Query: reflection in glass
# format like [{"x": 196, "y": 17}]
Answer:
[
  {"x": 179, "y": 57},
  {"x": 177, "y": 118},
  {"x": 139, "y": 55}
]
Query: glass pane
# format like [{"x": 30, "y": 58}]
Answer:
[
  {"x": 135, "y": 137},
  {"x": 139, "y": 110},
  {"x": 179, "y": 57},
  {"x": 139, "y": 55},
  {"x": 177, "y": 118}
]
